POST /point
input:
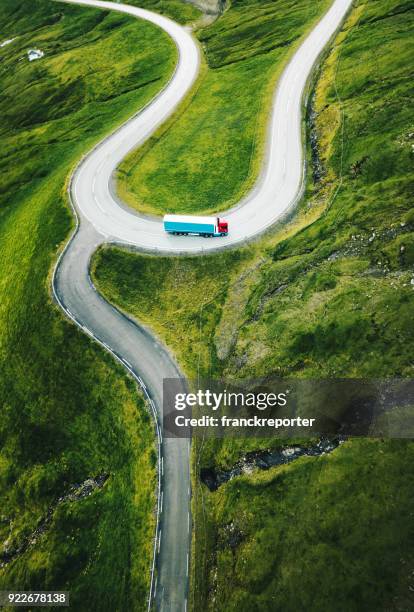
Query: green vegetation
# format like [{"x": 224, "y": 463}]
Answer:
[
  {"x": 176, "y": 9},
  {"x": 181, "y": 298},
  {"x": 328, "y": 294},
  {"x": 336, "y": 299},
  {"x": 326, "y": 533},
  {"x": 68, "y": 412},
  {"x": 245, "y": 50}
]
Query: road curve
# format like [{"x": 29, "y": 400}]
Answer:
[{"x": 101, "y": 219}]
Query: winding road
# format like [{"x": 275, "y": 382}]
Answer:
[{"x": 102, "y": 219}]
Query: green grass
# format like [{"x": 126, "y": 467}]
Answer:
[
  {"x": 68, "y": 412},
  {"x": 346, "y": 307},
  {"x": 178, "y": 10},
  {"x": 317, "y": 534},
  {"x": 166, "y": 293},
  {"x": 327, "y": 294},
  {"x": 245, "y": 50}
]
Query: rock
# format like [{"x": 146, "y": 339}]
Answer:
[{"x": 34, "y": 54}]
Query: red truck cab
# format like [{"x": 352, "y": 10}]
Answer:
[{"x": 222, "y": 227}]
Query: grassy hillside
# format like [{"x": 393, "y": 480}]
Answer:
[
  {"x": 68, "y": 413},
  {"x": 328, "y": 294},
  {"x": 245, "y": 50},
  {"x": 181, "y": 298},
  {"x": 337, "y": 298},
  {"x": 178, "y": 10},
  {"x": 330, "y": 533}
]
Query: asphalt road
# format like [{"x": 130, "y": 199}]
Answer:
[{"x": 102, "y": 219}]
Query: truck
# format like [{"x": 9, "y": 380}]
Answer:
[{"x": 182, "y": 225}]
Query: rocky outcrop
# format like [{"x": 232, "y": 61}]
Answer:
[
  {"x": 265, "y": 459},
  {"x": 76, "y": 492},
  {"x": 209, "y": 7}
]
